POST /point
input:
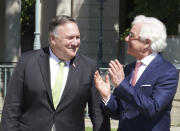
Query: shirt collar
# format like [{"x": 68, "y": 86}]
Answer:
[
  {"x": 55, "y": 59},
  {"x": 147, "y": 60}
]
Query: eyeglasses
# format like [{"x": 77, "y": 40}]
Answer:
[{"x": 132, "y": 36}]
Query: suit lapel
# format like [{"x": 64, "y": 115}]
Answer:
[
  {"x": 73, "y": 69},
  {"x": 151, "y": 67},
  {"x": 129, "y": 71},
  {"x": 45, "y": 71}
]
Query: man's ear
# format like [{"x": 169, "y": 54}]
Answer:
[
  {"x": 51, "y": 37},
  {"x": 147, "y": 44}
]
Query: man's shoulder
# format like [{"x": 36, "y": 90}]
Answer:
[
  {"x": 165, "y": 63},
  {"x": 85, "y": 62},
  {"x": 34, "y": 53},
  {"x": 85, "y": 58},
  {"x": 29, "y": 53}
]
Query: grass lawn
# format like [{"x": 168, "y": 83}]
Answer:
[{"x": 90, "y": 129}]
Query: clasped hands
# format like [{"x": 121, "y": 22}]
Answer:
[{"x": 117, "y": 76}]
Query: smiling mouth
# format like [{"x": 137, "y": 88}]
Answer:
[{"x": 73, "y": 49}]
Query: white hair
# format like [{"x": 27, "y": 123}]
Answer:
[{"x": 154, "y": 30}]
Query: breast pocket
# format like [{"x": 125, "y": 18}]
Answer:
[{"x": 146, "y": 89}]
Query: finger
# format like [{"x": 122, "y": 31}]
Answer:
[
  {"x": 114, "y": 65},
  {"x": 120, "y": 66},
  {"x": 96, "y": 78},
  {"x": 97, "y": 82},
  {"x": 107, "y": 79},
  {"x": 97, "y": 75},
  {"x": 117, "y": 63},
  {"x": 113, "y": 69},
  {"x": 112, "y": 75},
  {"x": 111, "y": 72}
]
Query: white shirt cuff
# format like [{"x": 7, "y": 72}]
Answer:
[{"x": 106, "y": 101}]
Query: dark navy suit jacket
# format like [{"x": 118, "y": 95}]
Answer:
[{"x": 147, "y": 106}]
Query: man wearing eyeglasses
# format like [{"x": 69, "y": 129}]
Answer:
[{"x": 144, "y": 89}]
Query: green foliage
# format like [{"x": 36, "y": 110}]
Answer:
[
  {"x": 27, "y": 17},
  {"x": 124, "y": 34},
  {"x": 166, "y": 10}
]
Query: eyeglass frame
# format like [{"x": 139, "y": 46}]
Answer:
[{"x": 132, "y": 36}]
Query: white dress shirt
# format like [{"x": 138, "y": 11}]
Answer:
[
  {"x": 145, "y": 62},
  {"x": 54, "y": 66}
]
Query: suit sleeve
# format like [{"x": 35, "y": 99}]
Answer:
[
  {"x": 100, "y": 121},
  {"x": 163, "y": 91},
  {"x": 113, "y": 107},
  {"x": 13, "y": 100}
]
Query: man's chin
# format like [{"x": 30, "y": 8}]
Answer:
[{"x": 71, "y": 56}]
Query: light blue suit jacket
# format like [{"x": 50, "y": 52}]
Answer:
[{"x": 147, "y": 106}]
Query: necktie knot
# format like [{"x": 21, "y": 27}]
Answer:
[
  {"x": 138, "y": 64},
  {"x": 61, "y": 64},
  {"x": 134, "y": 78}
]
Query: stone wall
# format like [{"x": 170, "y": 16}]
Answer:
[
  {"x": 88, "y": 17},
  {"x": 10, "y": 30}
]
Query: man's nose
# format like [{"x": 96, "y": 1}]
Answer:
[
  {"x": 127, "y": 38},
  {"x": 75, "y": 41}
]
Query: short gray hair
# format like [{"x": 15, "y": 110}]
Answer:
[
  {"x": 59, "y": 20},
  {"x": 154, "y": 30}
]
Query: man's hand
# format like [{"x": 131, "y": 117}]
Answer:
[
  {"x": 116, "y": 72},
  {"x": 102, "y": 86}
]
